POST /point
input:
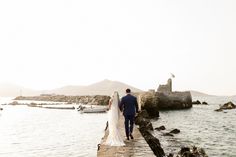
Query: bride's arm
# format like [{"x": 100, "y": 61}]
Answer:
[{"x": 109, "y": 105}]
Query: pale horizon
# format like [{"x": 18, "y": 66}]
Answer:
[{"x": 50, "y": 44}]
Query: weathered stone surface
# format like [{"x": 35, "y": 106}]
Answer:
[
  {"x": 145, "y": 126},
  {"x": 153, "y": 102},
  {"x": 226, "y": 106},
  {"x": 175, "y": 100},
  {"x": 160, "y": 128},
  {"x": 153, "y": 142},
  {"x": 196, "y": 102},
  {"x": 149, "y": 101},
  {"x": 142, "y": 119},
  {"x": 91, "y": 100}
]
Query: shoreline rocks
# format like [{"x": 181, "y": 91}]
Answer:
[
  {"x": 145, "y": 127},
  {"x": 190, "y": 152},
  {"x": 160, "y": 128},
  {"x": 226, "y": 106},
  {"x": 204, "y": 103},
  {"x": 175, "y": 131},
  {"x": 197, "y": 102},
  {"x": 90, "y": 100}
]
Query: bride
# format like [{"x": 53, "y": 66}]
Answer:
[{"x": 114, "y": 137}]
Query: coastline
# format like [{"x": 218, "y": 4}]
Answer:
[{"x": 87, "y": 100}]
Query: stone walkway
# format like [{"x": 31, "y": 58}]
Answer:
[{"x": 137, "y": 147}]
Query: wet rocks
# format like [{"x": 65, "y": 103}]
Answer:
[
  {"x": 175, "y": 131},
  {"x": 196, "y": 102},
  {"x": 204, "y": 103},
  {"x": 160, "y": 128},
  {"x": 191, "y": 152},
  {"x": 219, "y": 110},
  {"x": 168, "y": 134},
  {"x": 226, "y": 106}
]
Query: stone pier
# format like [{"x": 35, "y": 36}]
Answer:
[{"x": 137, "y": 147}]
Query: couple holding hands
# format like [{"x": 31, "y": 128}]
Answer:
[{"x": 129, "y": 106}]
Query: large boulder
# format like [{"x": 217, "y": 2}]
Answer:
[
  {"x": 174, "y": 100},
  {"x": 149, "y": 101},
  {"x": 152, "y": 102},
  {"x": 226, "y": 106}
]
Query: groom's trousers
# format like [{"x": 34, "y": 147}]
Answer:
[{"x": 129, "y": 124}]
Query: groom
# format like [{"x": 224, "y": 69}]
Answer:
[{"x": 129, "y": 106}]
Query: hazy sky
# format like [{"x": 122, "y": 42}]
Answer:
[{"x": 51, "y": 43}]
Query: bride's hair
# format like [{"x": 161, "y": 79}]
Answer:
[{"x": 114, "y": 94}]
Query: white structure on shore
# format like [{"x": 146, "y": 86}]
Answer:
[{"x": 166, "y": 88}]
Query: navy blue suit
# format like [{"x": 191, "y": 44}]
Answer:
[{"x": 129, "y": 106}]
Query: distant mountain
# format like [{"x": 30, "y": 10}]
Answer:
[
  {"x": 11, "y": 90},
  {"x": 105, "y": 87},
  {"x": 199, "y": 94}
]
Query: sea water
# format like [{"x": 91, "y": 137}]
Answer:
[
  {"x": 37, "y": 132},
  {"x": 200, "y": 126}
]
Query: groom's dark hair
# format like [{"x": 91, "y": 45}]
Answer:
[{"x": 128, "y": 90}]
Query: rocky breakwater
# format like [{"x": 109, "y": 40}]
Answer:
[
  {"x": 155, "y": 101},
  {"x": 146, "y": 128},
  {"x": 90, "y": 100}
]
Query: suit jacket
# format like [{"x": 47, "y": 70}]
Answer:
[{"x": 129, "y": 105}]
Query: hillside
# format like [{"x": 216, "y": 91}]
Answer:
[
  {"x": 105, "y": 87},
  {"x": 11, "y": 90},
  {"x": 199, "y": 94}
]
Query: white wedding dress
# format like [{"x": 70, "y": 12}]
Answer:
[{"x": 114, "y": 137}]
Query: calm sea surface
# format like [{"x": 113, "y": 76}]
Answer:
[
  {"x": 36, "y": 132},
  {"x": 200, "y": 126}
]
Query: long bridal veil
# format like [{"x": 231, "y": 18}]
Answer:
[{"x": 114, "y": 138}]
